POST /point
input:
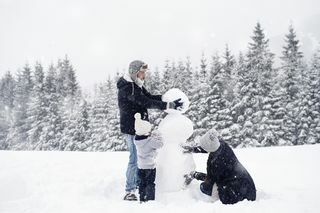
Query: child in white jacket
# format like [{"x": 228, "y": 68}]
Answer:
[{"x": 147, "y": 145}]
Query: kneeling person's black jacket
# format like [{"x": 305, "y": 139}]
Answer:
[{"x": 233, "y": 180}]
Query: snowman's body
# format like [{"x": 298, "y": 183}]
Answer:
[{"x": 172, "y": 163}]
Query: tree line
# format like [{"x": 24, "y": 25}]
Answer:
[{"x": 249, "y": 100}]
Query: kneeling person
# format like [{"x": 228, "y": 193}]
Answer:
[
  {"x": 147, "y": 145},
  {"x": 226, "y": 177}
]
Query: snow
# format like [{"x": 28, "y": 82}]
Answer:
[
  {"x": 287, "y": 180},
  {"x": 175, "y": 129},
  {"x": 172, "y": 163}
]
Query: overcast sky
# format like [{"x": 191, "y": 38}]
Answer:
[{"x": 101, "y": 37}]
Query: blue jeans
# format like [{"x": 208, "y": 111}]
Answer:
[{"x": 132, "y": 170}]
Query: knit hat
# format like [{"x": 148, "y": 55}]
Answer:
[
  {"x": 142, "y": 127},
  {"x": 134, "y": 68},
  {"x": 210, "y": 141}
]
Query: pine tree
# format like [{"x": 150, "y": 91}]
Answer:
[
  {"x": 254, "y": 86},
  {"x": 199, "y": 107},
  {"x": 168, "y": 79},
  {"x": 188, "y": 83},
  {"x": 100, "y": 137},
  {"x": 228, "y": 69},
  {"x": 116, "y": 142},
  {"x": 203, "y": 68},
  {"x": 18, "y": 135},
  {"x": 37, "y": 112},
  {"x": 218, "y": 105},
  {"x": 67, "y": 85},
  {"x": 50, "y": 138},
  {"x": 77, "y": 133},
  {"x": 260, "y": 62},
  {"x": 154, "y": 86},
  {"x": 292, "y": 77},
  {"x": 313, "y": 101},
  {"x": 7, "y": 86}
]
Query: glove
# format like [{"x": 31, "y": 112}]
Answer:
[
  {"x": 188, "y": 178},
  {"x": 186, "y": 149},
  {"x": 176, "y": 104}
]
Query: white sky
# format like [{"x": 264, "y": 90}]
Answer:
[{"x": 101, "y": 37}]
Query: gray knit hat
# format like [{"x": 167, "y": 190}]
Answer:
[
  {"x": 210, "y": 141},
  {"x": 134, "y": 68}
]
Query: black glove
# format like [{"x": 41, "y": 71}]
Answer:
[
  {"x": 186, "y": 149},
  {"x": 188, "y": 178},
  {"x": 176, "y": 104}
]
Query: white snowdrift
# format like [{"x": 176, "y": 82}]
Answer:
[{"x": 287, "y": 180}]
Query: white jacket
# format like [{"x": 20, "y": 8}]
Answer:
[{"x": 147, "y": 150}]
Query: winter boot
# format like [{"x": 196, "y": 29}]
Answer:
[{"x": 130, "y": 196}]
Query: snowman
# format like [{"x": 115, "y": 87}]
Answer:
[{"x": 176, "y": 128}]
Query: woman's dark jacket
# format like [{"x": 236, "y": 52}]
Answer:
[
  {"x": 233, "y": 180},
  {"x": 133, "y": 99}
]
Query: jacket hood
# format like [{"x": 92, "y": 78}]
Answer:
[{"x": 122, "y": 83}]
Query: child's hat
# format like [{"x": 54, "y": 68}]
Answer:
[{"x": 142, "y": 127}]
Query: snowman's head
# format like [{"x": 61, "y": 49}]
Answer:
[{"x": 174, "y": 94}]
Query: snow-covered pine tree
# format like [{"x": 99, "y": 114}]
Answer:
[
  {"x": 116, "y": 142},
  {"x": 273, "y": 121},
  {"x": 180, "y": 83},
  {"x": 168, "y": 80},
  {"x": 67, "y": 85},
  {"x": 78, "y": 132},
  {"x": 188, "y": 82},
  {"x": 292, "y": 73},
  {"x": 219, "y": 113},
  {"x": 199, "y": 107},
  {"x": 69, "y": 91},
  {"x": 50, "y": 138},
  {"x": 314, "y": 99},
  {"x": 256, "y": 85},
  {"x": 240, "y": 71},
  {"x": 228, "y": 67},
  {"x": 154, "y": 86},
  {"x": 7, "y": 86},
  {"x": 260, "y": 62},
  {"x": 203, "y": 72},
  {"x": 99, "y": 119},
  {"x": 18, "y": 133},
  {"x": 37, "y": 112}
]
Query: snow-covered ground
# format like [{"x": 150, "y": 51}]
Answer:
[{"x": 287, "y": 180}]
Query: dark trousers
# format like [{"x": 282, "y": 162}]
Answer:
[{"x": 146, "y": 184}]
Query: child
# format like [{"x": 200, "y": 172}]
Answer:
[
  {"x": 147, "y": 146},
  {"x": 226, "y": 178}
]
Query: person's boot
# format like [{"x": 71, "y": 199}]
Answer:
[{"x": 130, "y": 196}]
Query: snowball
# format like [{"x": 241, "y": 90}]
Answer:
[{"x": 174, "y": 94}]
